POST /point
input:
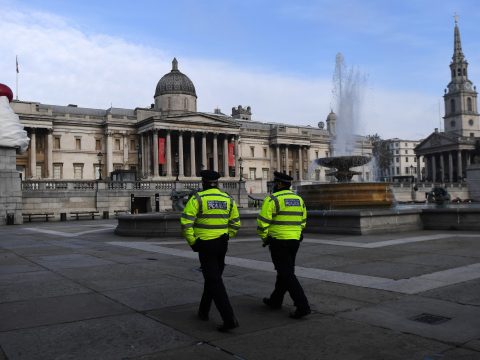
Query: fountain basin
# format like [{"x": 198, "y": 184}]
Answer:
[{"x": 347, "y": 195}]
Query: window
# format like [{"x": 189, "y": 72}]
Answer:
[
  {"x": 406, "y": 159},
  {"x": 406, "y": 169},
  {"x": 117, "y": 166},
  {"x": 185, "y": 104},
  {"x": 252, "y": 151},
  {"x": 452, "y": 105},
  {"x": 265, "y": 173},
  {"x": 470, "y": 122},
  {"x": 40, "y": 143},
  {"x": 133, "y": 167},
  {"x": 252, "y": 173},
  {"x": 459, "y": 72},
  {"x": 132, "y": 145},
  {"x": 397, "y": 159},
  {"x": 414, "y": 159},
  {"x": 57, "y": 171},
  {"x": 39, "y": 170},
  {"x": 469, "y": 104},
  {"x": 406, "y": 145},
  {"x": 117, "y": 144},
  {"x": 471, "y": 135},
  {"x": 78, "y": 171},
  {"x": 96, "y": 169},
  {"x": 406, "y": 151},
  {"x": 452, "y": 123},
  {"x": 398, "y": 170},
  {"x": 397, "y": 152},
  {"x": 78, "y": 144},
  {"x": 264, "y": 152},
  {"x": 98, "y": 144},
  {"x": 169, "y": 103},
  {"x": 326, "y": 153},
  {"x": 316, "y": 154},
  {"x": 56, "y": 142}
]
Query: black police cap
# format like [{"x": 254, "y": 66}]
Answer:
[
  {"x": 209, "y": 175},
  {"x": 278, "y": 176}
]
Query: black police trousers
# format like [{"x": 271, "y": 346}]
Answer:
[
  {"x": 211, "y": 254},
  {"x": 283, "y": 253}
]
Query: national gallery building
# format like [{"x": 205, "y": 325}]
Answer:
[{"x": 170, "y": 141}]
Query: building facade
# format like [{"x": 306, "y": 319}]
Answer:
[
  {"x": 448, "y": 154},
  {"x": 405, "y": 165},
  {"x": 169, "y": 141}
]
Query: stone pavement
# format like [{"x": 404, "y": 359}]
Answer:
[{"x": 74, "y": 290}]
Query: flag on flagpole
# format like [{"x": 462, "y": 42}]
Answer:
[{"x": 16, "y": 62}]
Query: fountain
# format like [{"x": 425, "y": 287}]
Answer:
[{"x": 345, "y": 194}]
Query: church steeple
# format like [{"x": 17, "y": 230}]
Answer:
[{"x": 461, "y": 116}]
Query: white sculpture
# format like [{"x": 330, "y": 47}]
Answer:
[{"x": 12, "y": 133}]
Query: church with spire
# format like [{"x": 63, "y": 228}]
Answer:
[{"x": 448, "y": 153}]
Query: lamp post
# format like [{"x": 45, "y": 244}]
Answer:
[
  {"x": 100, "y": 156},
  {"x": 240, "y": 178},
  {"x": 177, "y": 168},
  {"x": 411, "y": 172}
]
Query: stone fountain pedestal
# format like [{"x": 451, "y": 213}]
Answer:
[
  {"x": 473, "y": 181},
  {"x": 10, "y": 188}
]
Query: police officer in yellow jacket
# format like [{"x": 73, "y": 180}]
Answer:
[
  {"x": 209, "y": 220},
  {"x": 280, "y": 225}
]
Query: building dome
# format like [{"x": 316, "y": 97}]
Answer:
[{"x": 175, "y": 82}]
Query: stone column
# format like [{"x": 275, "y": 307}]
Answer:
[
  {"x": 204, "y": 151},
  {"x": 225, "y": 157},
  {"x": 450, "y": 166},
  {"x": 193, "y": 168},
  {"x": 468, "y": 159},
  {"x": 442, "y": 168},
  {"x": 144, "y": 155},
  {"x": 169, "y": 153},
  {"x": 50, "y": 154},
  {"x": 126, "y": 149},
  {"x": 459, "y": 166},
  {"x": 109, "y": 154},
  {"x": 279, "y": 166},
  {"x": 237, "y": 156},
  {"x": 286, "y": 159},
  {"x": 434, "y": 169},
  {"x": 272, "y": 165},
  {"x": 419, "y": 169},
  {"x": 181, "y": 172},
  {"x": 155, "y": 154},
  {"x": 300, "y": 163},
  {"x": 215, "y": 152},
  {"x": 33, "y": 153}
]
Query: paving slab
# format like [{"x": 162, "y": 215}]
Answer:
[
  {"x": 113, "y": 337},
  {"x": 199, "y": 351},
  {"x": 467, "y": 292},
  {"x": 38, "y": 284},
  {"x": 70, "y": 261},
  {"x": 168, "y": 291},
  {"x": 329, "y": 338},
  {"x": 53, "y": 310},
  {"x": 12, "y": 263},
  {"x": 398, "y": 315}
]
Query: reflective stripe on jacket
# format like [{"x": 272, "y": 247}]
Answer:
[
  {"x": 208, "y": 215},
  {"x": 283, "y": 216}
]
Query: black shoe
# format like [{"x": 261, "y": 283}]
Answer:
[
  {"x": 228, "y": 326},
  {"x": 298, "y": 314},
  {"x": 271, "y": 305},
  {"x": 202, "y": 316}
]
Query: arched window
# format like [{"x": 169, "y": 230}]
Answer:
[
  {"x": 169, "y": 103},
  {"x": 469, "y": 104},
  {"x": 185, "y": 104},
  {"x": 459, "y": 72},
  {"x": 464, "y": 72},
  {"x": 452, "y": 105},
  {"x": 453, "y": 72}
]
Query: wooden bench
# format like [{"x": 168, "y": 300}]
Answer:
[
  {"x": 120, "y": 212},
  {"x": 31, "y": 216},
  {"x": 78, "y": 214}
]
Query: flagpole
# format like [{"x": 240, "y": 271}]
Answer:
[{"x": 16, "y": 90}]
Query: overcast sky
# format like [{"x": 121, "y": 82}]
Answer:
[{"x": 276, "y": 56}]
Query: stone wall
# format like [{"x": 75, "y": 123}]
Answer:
[
  {"x": 10, "y": 188},
  {"x": 473, "y": 181}
]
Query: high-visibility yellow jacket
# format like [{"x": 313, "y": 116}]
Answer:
[
  {"x": 208, "y": 215},
  {"x": 283, "y": 216}
]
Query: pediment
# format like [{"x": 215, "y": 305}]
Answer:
[
  {"x": 203, "y": 119},
  {"x": 437, "y": 140}
]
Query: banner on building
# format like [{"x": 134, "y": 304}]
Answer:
[
  {"x": 231, "y": 155},
  {"x": 161, "y": 151}
]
